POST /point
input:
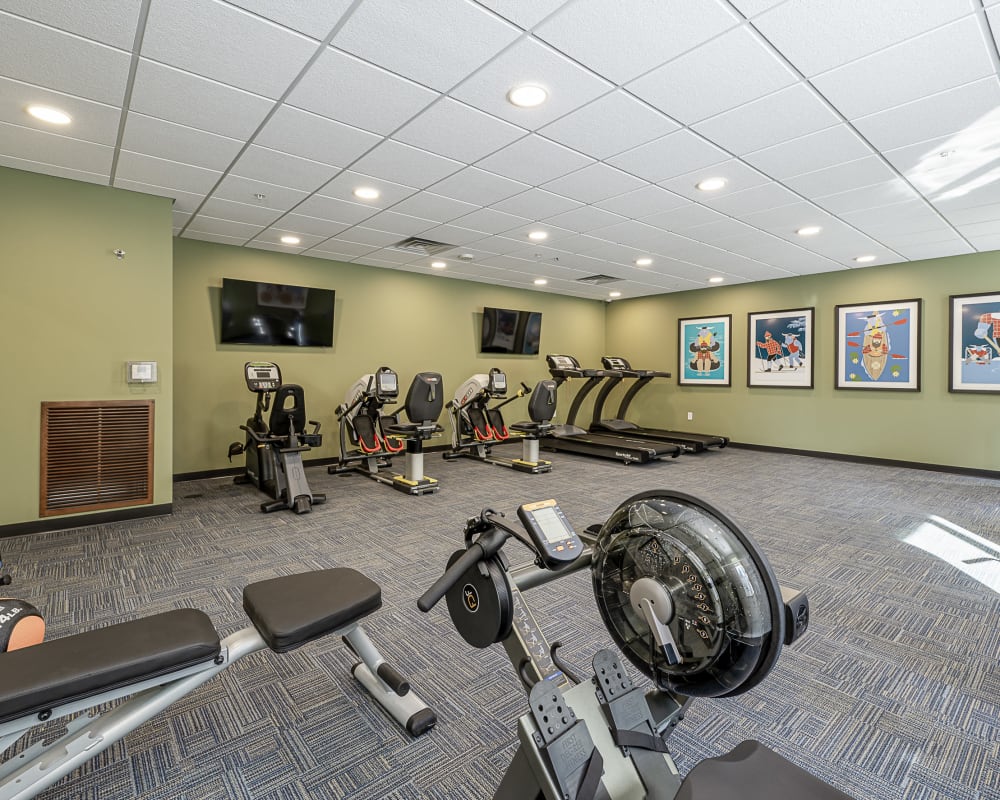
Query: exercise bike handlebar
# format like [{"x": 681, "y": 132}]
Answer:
[{"x": 486, "y": 546}]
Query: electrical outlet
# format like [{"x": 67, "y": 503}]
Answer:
[{"x": 690, "y": 415}]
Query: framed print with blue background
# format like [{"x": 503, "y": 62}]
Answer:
[
  {"x": 878, "y": 346},
  {"x": 781, "y": 349},
  {"x": 705, "y": 352},
  {"x": 974, "y": 346}
]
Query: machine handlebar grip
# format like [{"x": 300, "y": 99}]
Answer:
[
  {"x": 440, "y": 588},
  {"x": 394, "y": 679}
]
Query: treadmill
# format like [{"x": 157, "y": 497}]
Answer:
[
  {"x": 569, "y": 438},
  {"x": 617, "y": 369}
]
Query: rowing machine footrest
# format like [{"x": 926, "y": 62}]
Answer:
[
  {"x": 72, "y": 668},
  {"x": 294, "y": 609}
]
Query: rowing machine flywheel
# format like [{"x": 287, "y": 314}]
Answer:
[{"x": 480, "y": 603}]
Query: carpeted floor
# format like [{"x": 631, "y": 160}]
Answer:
[{"x": 893, "y": 694}]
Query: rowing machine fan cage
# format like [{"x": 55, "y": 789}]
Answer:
[{"x": 725, "y": 611}]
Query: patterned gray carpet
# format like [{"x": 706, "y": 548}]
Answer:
[{"x": 894, "y": 693}]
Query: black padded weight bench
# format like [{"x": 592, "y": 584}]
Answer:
[{"x": 156, "y": 660}]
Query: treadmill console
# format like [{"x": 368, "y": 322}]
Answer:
[
  {"x": 386, "y": 384},
  {"x": 554, "y": 538},
  {"x": 613, "y": 362},
  {"x": 262, "y": 376}
]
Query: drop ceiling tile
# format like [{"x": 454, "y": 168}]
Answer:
[
  {"x": 72, "y": 65},
  {"x": 971, "y": 215},
  {"x": 643, "y": 202},
  {"x": 311, "y": 136},
  {"x": 238, "y": 241},
  {"x": 201, "y": 36},
  {"x": 344, "y": 247},
  {"x": 721, "y": 74},
  {"x": 388, "y": 256},
  {"x": 402, "y": 224},
  {"x": 404, "y": 164},
  {"x": 751, "y": 8},
  {"x": 536, "y": 204},
  {"x": 314, "y": 18},
  {"x": 184, "y": 202},
  {"x": 937, "y": 236},
  {"x": 682, "y": 218},
  {"x": 897, "y": 220},
  {"x": 881, "y": 194},
  {"x": 344, "y": 88},
  {"x": 634, "y": 234},
  {"x": 478, "y": 186},
  {"x": 489, "y": 220},
  {"x": 223, "y": 227},
  {"x": 585, "y": 218},
  {"x": 809, "y": 153},
  {"x": 329, "y": 208},
  {"x": 92, "y": 122},
  {"x": 955, "y": 247},
  {"x": 451, "y": 234},
  {"x": 329, "y": 255},
  {"x": 530, "y": 61},
  {"x": 178, "y": 96},
  {"x": 534, "y": 160},
  {"x": 820, "y": 35},
  {"x": 962, "y": 109},
  {"x": 455, "y": 130},
  {"x": 609, "y": 125},
  {"x": 946, "y": 58},
  {"x": 769, "y": 249},
  {"x": 739, "y": 176},
  {"x": 51, "y": 169},
  {"x": 757, "y": 198},
  {"x": 622, "y": 46},
  {"x": 526, "y": 13},
  {"x": 300, "y": 223},
  {"x": 154, "y": 137},
  {"x": 674, "y": 154},
  {"x": 966, "y": 176},
  {"x": 784, "y": 220},
  {"x": 180, "y": 219},
  {"x": 781, "y": 116},
  {"x": 272, "y": 236},
  {"x": 28, "y": 144},
  {"x": 270, "y": 166},
  {"x": 429, "y": 205},
  {"x": 111, "y": 22},
  {"x": 372, "y": 236},
  {"x": 556, "y": 235},
  {"x": 842, "y": 177},
  {"x": 499, "y": 245},
  {"x": 581, "y": 244},
  {"x": 274, "y": 246},
  {"x": 342, "y": 188},
  {"x": 406, "y": 38},
  {"x": 243, "y": 190},
  {"x": 170, "y": 174},
  {"x": 239, "y": 212},
  {"x": 593, "y": 183}
]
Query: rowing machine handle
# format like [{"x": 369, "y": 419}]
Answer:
[{"x": 486, "y": 546}]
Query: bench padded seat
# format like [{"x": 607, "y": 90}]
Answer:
[
  {"x": 750, "y": 771},
  {"x": 294, "y": 609},
  {"x": 74, "y": 667}
]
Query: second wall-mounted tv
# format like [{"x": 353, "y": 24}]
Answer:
[
  {"x": 508, "y": 331},
  {"x": 276, "y": 314}
]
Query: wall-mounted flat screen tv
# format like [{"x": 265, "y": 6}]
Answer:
[
  {"x": 509, "y": 331},
  {"x": 276, "y": 314}
]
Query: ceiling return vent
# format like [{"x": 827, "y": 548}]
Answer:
[
  {"x": 422, "y": 247},
  {"x": 598, "y": 280}
]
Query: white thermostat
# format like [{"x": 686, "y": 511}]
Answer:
[{"x": 141, "y": 372}]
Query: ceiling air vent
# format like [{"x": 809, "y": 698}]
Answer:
[
  {"x": 423, "y": 247},
  {"x": 598, "y": 280}
]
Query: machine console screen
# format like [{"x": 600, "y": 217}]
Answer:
[
  {"x": 499, "y": 381},
  {"x": 262, "y": 376},
  {"x": 387, "y": 383},
  {"x": 554, "y": 538}
]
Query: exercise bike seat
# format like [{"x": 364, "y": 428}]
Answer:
[
  {"x": 294, "y": 609},
  {"x": 751, "y": 771},
  {"x": 59, "y": 671}
]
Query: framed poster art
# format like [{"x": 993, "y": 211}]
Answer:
[
  {"x": 878, "y": 346},
  {"x": 780, "y": 349},
  {"x": 705, "y": 352},
  {"x": 974, "y": 343}
]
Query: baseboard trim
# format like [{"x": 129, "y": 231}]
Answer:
[
  {"x": 85, "y": 520},
  {"x": 882, "y": 462}
]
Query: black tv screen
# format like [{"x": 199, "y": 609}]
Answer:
[
  {"x": 509, "y": 331},
  {"x": 276, "y": 314}
]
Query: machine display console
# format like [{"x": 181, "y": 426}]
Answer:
[
  {"x": 262, "y": 376},
  {"x": 498, "y": 383},
  {"x": 386, "y": 384},
  {"x": 611, "y": 362},
  {"x": 554, "y": 538}
]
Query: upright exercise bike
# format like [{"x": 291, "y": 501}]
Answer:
[
  {"x": 476, "y": 427},
  {"x": 689, "y": 599},
  {"x": 273, "y": 450}
]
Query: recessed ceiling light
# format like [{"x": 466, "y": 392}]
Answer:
[
  {"x": 946, "y": 153},
  {"x": 864, "y": 259},
  {"x": 290, "y": 240},
  {"x": 809, "y": 230},
  {"x": 537, "y": 236},
  {"x": 366, "y": 193},
  {"x": 716, "y": 279},
  {"x": 258, "y": 196},
  {"x": 49, "y": 114},
  {"x": 711, "y": 184},
  {"x": 614, "y": 294},
  {"x": 467, "y": 256},
  {"x": 643, "y": 262},
  {"x": 438, "y": 264},
  {"x": 540, "y": 281},
  {"x": 527, "y": 96}
]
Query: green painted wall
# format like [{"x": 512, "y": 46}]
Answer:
[
  {"x": 931, "y": 426},
  {"x": 73, "y": 314},
  {"x": 407, "y": 321}
]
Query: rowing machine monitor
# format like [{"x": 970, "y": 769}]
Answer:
[{"x": 556, "y": 543}]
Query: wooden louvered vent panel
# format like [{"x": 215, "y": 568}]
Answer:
[{"x": 96, "y": 455}]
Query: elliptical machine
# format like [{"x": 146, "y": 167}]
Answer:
[
  {"x": 476, "y": 427},
  {"x": 688, "y": 598},
  {"x": 377, "y": 436},
  {"x": 274, "y": 449}
]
